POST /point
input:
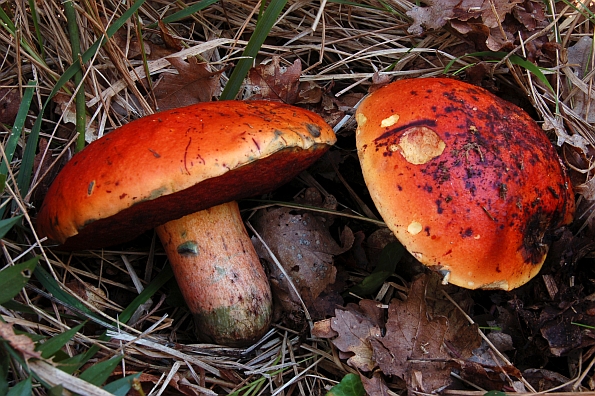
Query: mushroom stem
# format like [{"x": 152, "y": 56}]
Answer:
[{"x": 219, "y": 274}]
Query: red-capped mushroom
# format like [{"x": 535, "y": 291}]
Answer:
[
  {"x": 468, "y": 182},
  {"x": 180, "y": 171}
]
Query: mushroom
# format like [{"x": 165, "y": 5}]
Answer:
[
  {"x": 180, "y": 171},
  {"x": 468, "y": 182}
]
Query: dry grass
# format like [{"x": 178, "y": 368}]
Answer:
[{"x": 342, "y": 48}]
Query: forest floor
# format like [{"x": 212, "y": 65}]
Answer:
[{"x": 76, "y": 321}]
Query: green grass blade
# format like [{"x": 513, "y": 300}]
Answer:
[
  {"x": 75, "y": 45},
  {"x": 7, "y": 224},
  {"x": 5, "y": 369},
  {"x": 514, "y": 59},
  {"x": 57, "y": 390},
  {"x": 533, "y": 68},
  {"x": 7, "y": 23},
  {"x": 11, "y": 28},
  {"x": 57, "y": 292},
  {"x": 519, "y": 61},
  {"x": 139, "y": 34},
  {"x": 14, "y": 278},
  {"x": 24, "y": 177},
  {"x": 35, "y": 18},
  {"x": 15, "y": 134},
  {"x": 120, "y": 387},
  {"x": 18, "y": 307},
  {"x": 147, "y": 293},
  {"x": 17, "y": 128},
  {"x": 583, "y": 10},
  {"x": 98, "y": 373},
  {"x": 54, "y": 344},
  {"x": 263, "y": 27},
  {"x": 72, "y": 364},
  {"x": 23, "y": 388},
  {"x": 88, "y": 54},
  {"x": 186, "y": 12},
  {"x": 73, "y": 304},
  {"x": 389, "y": 257},
  {"x": 14, "y": 355}
]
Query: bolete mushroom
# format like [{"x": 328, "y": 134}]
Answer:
[
  {"x": 468, "y": 182},
  {"x": 180, "y": 171}
]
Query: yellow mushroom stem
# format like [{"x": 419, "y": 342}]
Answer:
[{"x": 219, "y": 274}]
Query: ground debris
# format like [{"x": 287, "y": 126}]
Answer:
[
  {"x": 420, "y": 343},
  {"x": 274, "y": 81},
  {"x": 193, "y": 83},
  {"x": 305, "y": 249},
  {"x": 493, "y": 25}
]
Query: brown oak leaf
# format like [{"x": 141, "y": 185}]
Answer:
[
  {"x": 305, "y": 248},
  {"x": 490, "y": 24},
  {"x": 194, "y": 83},
  {"x": 424, "y": 337},
  {"x": 461, "y": 336},
  {"x": 434, "y": 16},
  {"x": 355, "y": 332},
  {"x": 275, "y": 82},
  {"x": 410, "y": 334},
  {"x": 10, "y": 99},
  {"x": 21, "y": 343},
  {"x": 169, "y": 40},
  {"x": 374, "y": 386}
]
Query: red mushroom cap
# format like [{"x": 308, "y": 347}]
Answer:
[
  {"x": 468, "y": 182},
  {"x": 164, "y": 166}
]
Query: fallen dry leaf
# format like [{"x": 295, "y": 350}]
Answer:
[
  {"x": 148, "y": 381},
  {"x": 434, "y": 16},
  {"x": 355, "y": 333},
  {"x": 305, "y": 248},
  {"x": 561, "y": 334},
  {"x": 194, "y": 83},
  {"x": 578, "y": 58},
  {"x": 130, "y": 45},
  {"x": 42, "y": 162},
  {"x": 10, "y": 100},
  {"x": 532, "y": 14},
  {"x": 374, "y": 386},
  {"x": 334, "y": 109},
  {"x": 376, "y": 241},
  {"x": 411, "y": 333},
  {"x": 21, "y": 343},
  {"x": 169, "y": 40},
  {"x": 461, "y": 336},
  {"x": 323, "y": 329},
  {"x": 491, "y": 24},
  {"x": 67, "y": 108},
  {"x": 428, "y": 377},
  {"x": 479, "y": 375},
  {"x": 545, "y": 380},
  {"x": 480, "y": 74},
  {"x": 309, "y": 93},
  {"x": 275, "y": 82},
  {"x": 379, "y": 81},
  {"x": 92, "y": 295},
  {"x": 313, "y": 197},
  {"x": 423, "y": 339},
  {"x": 371, "y": 310},
  {"x": 133, "y": 49}
]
